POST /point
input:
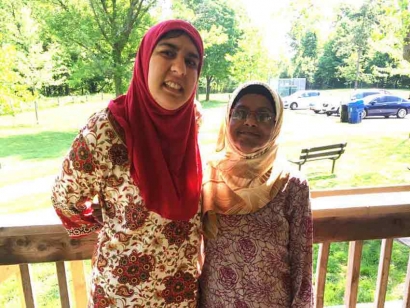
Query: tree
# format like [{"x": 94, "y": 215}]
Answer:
[
  {"x": 305, "y": 59},
  {"x": 33, "y": 64},
  {"x": 405, "y": 20},
  {"x": 354, "y": 30},
  {"x": 217, "y": 23},
  {"x": 12, "y": 88},
  {"x": 252, "y": 60},
  {"x": 305, "y": 33},
  {"x": 107, "y": 33},
  {"x": 326, "y": 75}
]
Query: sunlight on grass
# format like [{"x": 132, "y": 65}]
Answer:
[
  {"x": 27, "y": 202},
  {"x": 14, "y": 171}
]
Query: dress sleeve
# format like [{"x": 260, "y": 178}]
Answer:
[
  {"x": 300, "y": 245},
  {"x": 76, "y": 186}
]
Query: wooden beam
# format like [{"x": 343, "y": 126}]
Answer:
[
  {"x": 353, "y": 273},
  {"x": 359, "y": 191},
  {"x": 37, "y": 244},
  {"x": 383, "y": 274},
  {"x": 62, "y": 284},
  {"x": 34, "y": 244},
  {"x": 321, "y": 271},
  {"x": 26, "y": 282},
  {"x": 341, "y": 229}
]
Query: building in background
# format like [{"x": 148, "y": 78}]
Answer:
[{"x": 288, "y": 86}]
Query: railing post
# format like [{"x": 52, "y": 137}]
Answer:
[
  {"x": 321, "y": 270},
  {"x": 79, "y": 283},
  {"x": 353, "y": 273},
  {"x": 62, "y": 284},
  {"x": 383, "y": 274},
  {"x": 26, "y": 282},
  {"x": 406, "y": 297}
]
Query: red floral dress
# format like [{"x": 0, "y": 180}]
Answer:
[
  {"x": 263, "y": 259},
  {"x": 141, "y": 259}
]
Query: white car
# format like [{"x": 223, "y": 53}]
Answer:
[
  {"x": 332, "y": 106},
  {"x": 301, "y": 99},
  {"x": 319, "y": 105}
]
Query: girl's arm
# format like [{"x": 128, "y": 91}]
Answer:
[
  {"x": 76, "y": 186},
  {"x": 300, "y": 245}
]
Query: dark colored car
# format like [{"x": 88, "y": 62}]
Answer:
[
  {"x": 385, "y": 105},
  {"x": 363, "y": 93},
  {"x": 334, "y": 107}
]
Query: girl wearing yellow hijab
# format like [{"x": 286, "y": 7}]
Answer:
[{"x": 256, "y": 212}]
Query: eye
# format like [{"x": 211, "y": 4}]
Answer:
[
  {"x": 168, "y": 53},
  {"x": 191, "y": 63},
  {"x": 238, "y": 114},
  {"x": 263, "y": 116}
]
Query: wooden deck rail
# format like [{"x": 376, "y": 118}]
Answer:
[{"x": 351, "y": 215}]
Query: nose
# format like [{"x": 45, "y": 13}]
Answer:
[
  {"x": 251, "y": 119},
  {"x": 179, "y": 66}
]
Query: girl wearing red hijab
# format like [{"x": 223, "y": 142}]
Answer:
[{"x": 141, "y": 157}]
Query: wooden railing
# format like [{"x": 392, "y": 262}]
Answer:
[{"x": 341, "y": 215}]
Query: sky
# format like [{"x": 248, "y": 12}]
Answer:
[{"x": 269, "y": 17}]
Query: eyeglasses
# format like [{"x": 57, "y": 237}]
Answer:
[{"x": 243, "y": 114}]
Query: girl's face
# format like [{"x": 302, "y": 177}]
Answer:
[
  {"x": 173, "y": 71},
  {"x": 251, "y": 123}
]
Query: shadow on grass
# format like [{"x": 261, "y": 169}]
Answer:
[{"x": 40, "y": 146}]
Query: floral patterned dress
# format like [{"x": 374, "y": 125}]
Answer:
[
  {"x": 263, "y": 259},
  {"x": 140, "y": 259}
]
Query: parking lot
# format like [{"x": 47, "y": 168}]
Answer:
[{"x": 302, "y": 125}]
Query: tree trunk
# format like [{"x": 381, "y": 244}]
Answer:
[
  {"x": 359, "y": 52},
  {"x": 208, "y": 87},
  {"x": 406, "y": 48}
]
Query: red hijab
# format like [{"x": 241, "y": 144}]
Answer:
[{"x": 162, "y": 144}]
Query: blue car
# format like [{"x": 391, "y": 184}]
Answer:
[{"x": 385, "y": 105}]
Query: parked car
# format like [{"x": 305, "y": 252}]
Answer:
[
  {"x": 321, "y": 105},
  {"x": 300, "y": 99},
  {"x": 317, "y": 105},
  {"x": 363, "y": 93},
  {"x": 385, "y": 105},
  {"x": 334, "y": 106}
]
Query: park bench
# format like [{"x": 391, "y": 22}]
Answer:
[{"x": 332, "y": 152}]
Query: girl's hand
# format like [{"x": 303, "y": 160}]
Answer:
[{"x": 97, "y": 212}]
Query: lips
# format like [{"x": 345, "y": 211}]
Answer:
[{"x": 248, "y": 133}]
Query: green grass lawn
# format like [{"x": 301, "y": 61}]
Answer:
[{"x": 377, "y": 153}]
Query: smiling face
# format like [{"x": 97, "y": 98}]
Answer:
[
  {"x": 249, "y": 135},
  {"x": 173, "y": 71}
]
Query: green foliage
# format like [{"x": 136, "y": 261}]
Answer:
[
  {"x": 354, "y": 30},
  {"x": 102, "y": 36},
  {"x": 350, "y": 50},
  {"x": 217, "y": 22},
  {"x": 13, "y": 91},
  {"x": 326, "y": 73}
]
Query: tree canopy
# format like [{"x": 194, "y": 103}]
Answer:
[{"x": 63, "y": 47}]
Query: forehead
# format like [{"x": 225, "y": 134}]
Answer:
[
  {"x": 254, "y": 101},
  {"x": 181, "y": 42}
]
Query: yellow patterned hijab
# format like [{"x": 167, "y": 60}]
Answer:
[{"x": 236, "y": 183}]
